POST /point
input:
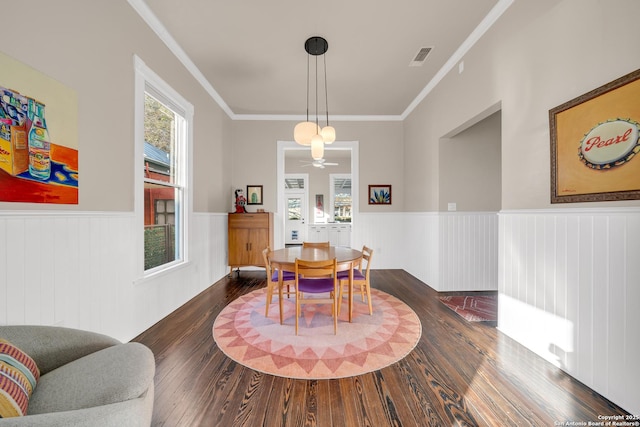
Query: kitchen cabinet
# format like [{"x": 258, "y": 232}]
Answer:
[
  {"x": 339, "y": 234},
  {"x": 317, "y": 233},
  {"x": 335, "y": 234}
]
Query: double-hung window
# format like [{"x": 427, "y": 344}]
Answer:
[
  {"x": 163, "y": 140},
  {"x": 340, "y": 197}
]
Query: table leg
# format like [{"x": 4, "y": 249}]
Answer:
[{"x": 280, "y": 295}]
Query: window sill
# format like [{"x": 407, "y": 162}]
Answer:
[{"x": 156, "y": 274}]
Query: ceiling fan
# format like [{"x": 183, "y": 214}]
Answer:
[{"x": 320, "y": 163}]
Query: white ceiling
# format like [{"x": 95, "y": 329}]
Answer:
[{"x": 249, "y": 54}]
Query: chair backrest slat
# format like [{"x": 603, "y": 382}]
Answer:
[
  {"x": 315, "y": 244},
  {"x": 315, "y": 268}
]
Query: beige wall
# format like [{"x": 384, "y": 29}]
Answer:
[
  {"x": 470, "y": 168},
  {"x": 537, "y": 56},
  {"x": 89, "y": 47},
  {"x": 380, "y": 153}
]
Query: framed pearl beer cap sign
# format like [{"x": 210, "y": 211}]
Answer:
[{"x": 595, "y": 144}]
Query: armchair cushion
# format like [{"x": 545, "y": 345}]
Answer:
[
  {"x": 18, "y": 377},
  {"x": 101, "y": 378}
]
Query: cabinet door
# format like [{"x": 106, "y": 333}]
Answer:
[
  {"x": 258, "y": 240},
  {"x": 238, "y": 246},
  {"x": 340, "y": 235},
  {"x": 318, "y": 233},
  {"x": 344, "y": 235}
]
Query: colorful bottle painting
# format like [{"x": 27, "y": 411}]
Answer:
[{"x": 39, "y": 144}]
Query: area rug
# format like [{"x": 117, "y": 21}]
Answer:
[
  {"x": 473, "y": 308},
  {"x": 369, "y": 343}
]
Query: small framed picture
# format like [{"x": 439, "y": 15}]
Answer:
[
  {"x": 319, "y": 212},
  {"x": 254, "y": 194},
  {"x": 379, "y": 194}
]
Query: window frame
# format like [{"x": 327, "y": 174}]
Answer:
[
  {"x": 332, "y": 193},
  {"x": 147, "y": 81}
]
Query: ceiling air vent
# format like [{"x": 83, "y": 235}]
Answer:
[{"x": 420, "y": 57}]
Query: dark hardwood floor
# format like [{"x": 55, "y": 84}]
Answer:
[{"x": 460, "y": 373}]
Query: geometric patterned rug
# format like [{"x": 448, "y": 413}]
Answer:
[
  {"x": 473, "y": 308},
  {"x": 369, "y": 343}
]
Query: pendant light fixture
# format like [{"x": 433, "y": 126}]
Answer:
[{"x": 309, "y": 133}]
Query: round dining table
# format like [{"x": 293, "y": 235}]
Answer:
[{"x": 285, "y": 260}]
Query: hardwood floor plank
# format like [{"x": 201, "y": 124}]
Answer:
[
  {"x": 345, "y": 405},
  {"x": 378, "y": 409},
  {"x": 324, "y": 402},
  {"x": 419, "y": 401},
  {"x": 393, "y": 404},
  {"x": 277, "y": 409},
  {"x": 460, "y": 373}
]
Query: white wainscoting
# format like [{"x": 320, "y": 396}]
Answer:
[
  {"x": 569, "y": 280},
  {"x": 468, "y": 247},
  {"x": 569, "y": 290},
  {"x": 448, "y": 251},
  {"x": 78, "y": 270}
]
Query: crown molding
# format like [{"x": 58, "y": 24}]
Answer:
[{"x": 154, "y": 23}]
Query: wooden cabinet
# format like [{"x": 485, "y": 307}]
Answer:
[{"x": 249, "y": 234}]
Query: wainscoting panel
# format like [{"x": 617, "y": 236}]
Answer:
[
  {"x": 468, "y": 247},
  {"x": 421, "y": 247},
  {"x": 569, "y": 288},
  {"x": 569, "y": 280},
  {"x": 78, "y": 270},
  {"x": 384, "y": 234},
  {"x": 449, "y": 252}
]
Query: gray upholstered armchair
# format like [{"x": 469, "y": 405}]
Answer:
[{"x": 87, "y": 379}]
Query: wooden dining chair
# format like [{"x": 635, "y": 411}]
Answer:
[
  {"x": 288, "y": 279},
  {"x": 315, "y": 277},
  {"x": 360, "y": 278},
  {"x": 315, "y": 244}
]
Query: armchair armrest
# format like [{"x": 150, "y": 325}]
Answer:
[{"x": 52, "y": 346}]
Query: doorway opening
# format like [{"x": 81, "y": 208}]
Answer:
[
  {"x": 296, "y": 212},
  {"x": 290, "y": 152}
]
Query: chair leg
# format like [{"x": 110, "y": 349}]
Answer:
[
  {"x": 341, "y": 293},
  {"x": 269, "y": 297},
  {"x": 297, "y": 312},
  {"x": 368, "y": 287},
  {"x": 335, "y": 313}
]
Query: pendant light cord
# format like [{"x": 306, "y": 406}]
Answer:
[
  {"x": 308, "y": 87},
  {"x": 316, "y": 94},
  {"x": 326, "y": 91}
]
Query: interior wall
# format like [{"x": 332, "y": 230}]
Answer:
[
  {"x": 73, "y": 265},
  {"x": 470, "y": 168},
  {"x": 75, "y": 43},
  {"x": 380, "y": 162},
  {"x": 537, "y": 56}
]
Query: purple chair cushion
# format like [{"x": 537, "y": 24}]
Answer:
[
  {"x": 286, "y": 276},
  {"x": 344, "y": 275},
  {"x": 315, "y": 286}
]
